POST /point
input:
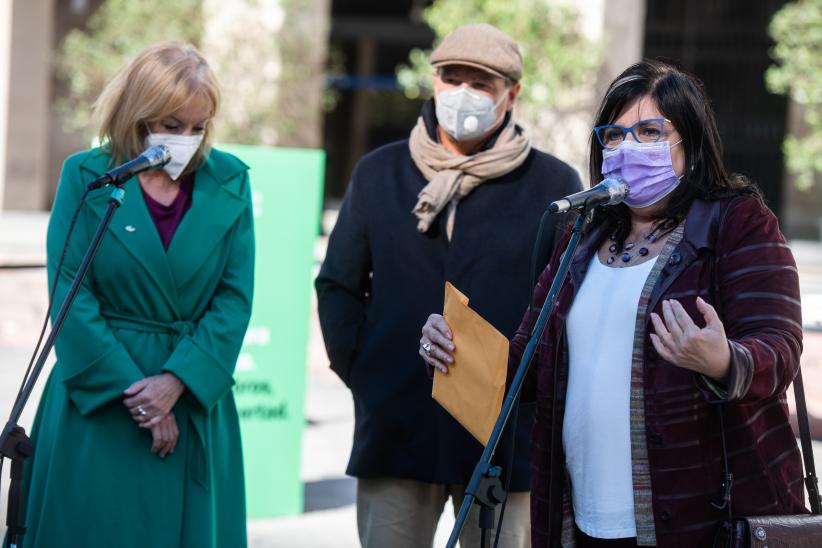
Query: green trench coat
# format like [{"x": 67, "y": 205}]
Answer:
[{"x": 93, "y": 481}]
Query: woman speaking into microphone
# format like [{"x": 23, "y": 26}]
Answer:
[
  {"x": 682, "y": 297},
  {"x": 137, "y": 439}
]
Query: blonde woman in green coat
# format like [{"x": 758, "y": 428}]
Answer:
[{"x": 137, "y": 438}]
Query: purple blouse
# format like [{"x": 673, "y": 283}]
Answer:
[{"x": 167, "y": 217}]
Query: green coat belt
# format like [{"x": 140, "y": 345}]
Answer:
[
  {"x": 198, "y": 456},
  {"x": 142, "y": 311}
]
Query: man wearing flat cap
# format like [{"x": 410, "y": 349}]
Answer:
[{"x": 459, "y": 201}]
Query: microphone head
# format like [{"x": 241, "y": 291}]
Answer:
[
  {"x": 617, "y": 189},
  {"x": 157, "y": 155}
]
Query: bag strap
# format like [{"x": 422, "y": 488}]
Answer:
[
  {"x": 727, "y": 478},
  {"x": 811, "y": 481}
]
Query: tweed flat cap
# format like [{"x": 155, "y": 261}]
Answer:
[{"x": 482, "y": 46}]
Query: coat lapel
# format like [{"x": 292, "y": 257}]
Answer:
[
  {"x": 701, "y": 224},
  {"x": 700, "y": 233},
  {"x": 133, "y": 227},
  {"x": 215, "y": 208}
]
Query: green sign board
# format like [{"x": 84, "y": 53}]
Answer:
[{"x": 270, "y": 376}]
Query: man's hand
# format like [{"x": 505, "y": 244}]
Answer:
[{"x": 436, "y": 347}]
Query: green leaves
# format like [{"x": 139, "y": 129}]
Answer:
[
  {"x": 797, "y": 31},
  {"x": 117, "y": 31},
  {"x": 556, "y": 56},
  {"x": 559, "y": 63}
]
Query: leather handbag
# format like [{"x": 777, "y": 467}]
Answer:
[{"x": 803, "y": 531}]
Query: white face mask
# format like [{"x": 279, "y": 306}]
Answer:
[
  {"x": 464, "y": 114},
  {"x": 182, "y": 148}
]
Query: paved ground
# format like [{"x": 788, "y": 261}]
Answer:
[{"x": 329, "y": 520}]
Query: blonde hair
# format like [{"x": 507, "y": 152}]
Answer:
[{"x": 160, "y": 81}]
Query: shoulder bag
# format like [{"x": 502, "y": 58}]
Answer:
[{"x": 774, "y": 531}]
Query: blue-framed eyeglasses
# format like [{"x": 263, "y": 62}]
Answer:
[{"x": 650, "y": 130}]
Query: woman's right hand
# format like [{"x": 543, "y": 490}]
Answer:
[
  {"x": 151, "y": 399},
  {"x": 164, "y": 436},
  {"x": 436, "y": 347}
]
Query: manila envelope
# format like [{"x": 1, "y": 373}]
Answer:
[{"x": 473, "y": 390}]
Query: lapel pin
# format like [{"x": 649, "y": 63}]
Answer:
[{"x": 130, "y": 228}]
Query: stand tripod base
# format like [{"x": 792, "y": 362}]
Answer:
[{"x": 16, "y": 446}]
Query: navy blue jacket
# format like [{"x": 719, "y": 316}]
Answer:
[{"x": 381, "y": 279}]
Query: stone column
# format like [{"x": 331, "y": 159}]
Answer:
[
  {"x": 5, "y": 77},
  {"x": 25, "y": 103},
  {"x": 269, "y": 56},
  {"x": 366, "y": 65},
  {"x": 618, "y": 26},
  {"x": 623, "y": 32}
]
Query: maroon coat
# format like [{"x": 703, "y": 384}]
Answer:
[{"x": 758, "y": 291}]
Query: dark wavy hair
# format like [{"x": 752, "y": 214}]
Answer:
[{"x": 681, "y": 98}]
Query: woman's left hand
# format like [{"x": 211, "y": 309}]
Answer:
[
  {"x": 149, "y": 400},
  {"x": 679, "y": 340}
]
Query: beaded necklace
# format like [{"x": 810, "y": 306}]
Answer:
[{"x": 651, "y": 238}]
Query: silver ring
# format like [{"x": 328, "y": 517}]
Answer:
[
  {"x": 141, "y": 411},
  {"x": 427, "y": 348}
]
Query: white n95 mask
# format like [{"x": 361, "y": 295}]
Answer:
[
  {"x": 465, "y": 114},
  {"x": 182, "y": 148}
]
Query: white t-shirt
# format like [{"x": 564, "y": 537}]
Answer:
[{"x": 596, "y": 432}]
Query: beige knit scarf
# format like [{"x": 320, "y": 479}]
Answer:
[{"x": 452, "y": 177}]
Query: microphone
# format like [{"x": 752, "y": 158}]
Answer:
[
  {"x": 151, "y": 158},
  {"x": 610, "y": 191}
]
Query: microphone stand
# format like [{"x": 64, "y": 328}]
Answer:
[
  {"x": 485, "y": 486},
  {"x": 14, "y": 443}
]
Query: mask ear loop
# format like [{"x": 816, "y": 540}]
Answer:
[
  {"x": 681, "y": 177},
  {"x": 498, "y": 103}
]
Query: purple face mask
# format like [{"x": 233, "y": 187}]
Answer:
[{"x": 645, "y": 167}]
